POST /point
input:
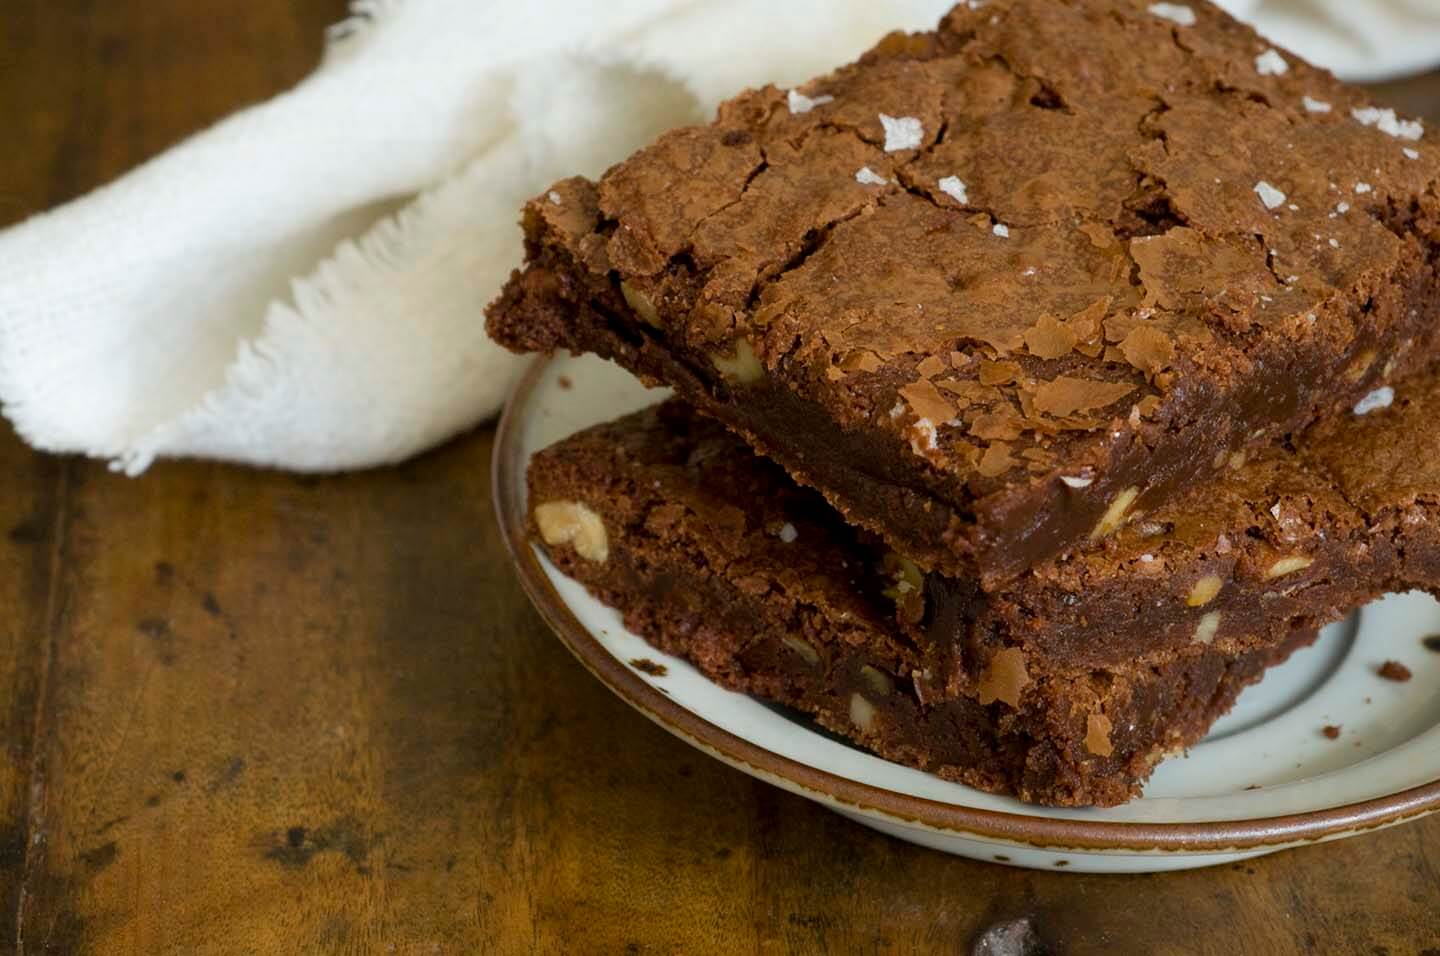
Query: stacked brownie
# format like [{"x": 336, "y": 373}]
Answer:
[{"x": 1102, "y": 326}]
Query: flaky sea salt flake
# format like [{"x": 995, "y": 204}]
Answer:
[
  {"x": 553, "y": 196},
  {"x": 800, "y": 103},
  {"x": 1077, "y": 481},
  {"x": 1382, "y": 397},
  {"x": 1411, "y": 153},
  {"x": 1387, "y": 122},
  {"x": 901, "y": 132},
  {"x": 1174, "y": 12},
  {"x": 1001, "y": 230},
  {"x": 788, "y": 534},
  {"x": 1269, "y": 195},
  {"x": 1363, "y": 187},
  {"x": 954, "y": 188},
  {"x": 1313, "y": 105},
  {"x": 866, "y": 176},
  {"x": 1271, "y": 63}
]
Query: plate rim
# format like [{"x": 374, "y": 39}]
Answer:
[{"x": 1257, "y": 833}]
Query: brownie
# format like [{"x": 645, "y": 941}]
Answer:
[
  {"x": 999, "y": 289},
  {"x": 714, "y": 554}
]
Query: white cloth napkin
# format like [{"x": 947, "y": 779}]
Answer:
[{"x": 301, "y": 285}]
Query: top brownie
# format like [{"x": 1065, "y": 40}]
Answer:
[{"x": 998, "y": 289}]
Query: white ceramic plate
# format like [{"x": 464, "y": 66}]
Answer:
[{"x": 1266, "y": 778}]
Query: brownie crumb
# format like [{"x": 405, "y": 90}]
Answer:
[
  {"x": 564, "y": 382},
  {"x": 648, "y": 666},
  {"x": 1431, "y": 643},
  {"x": 1394, "y": 670},
  {"x": 1331, "y": 731},
  {"x": 1253, "y": 786}
]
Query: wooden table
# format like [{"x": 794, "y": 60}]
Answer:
[{"x": 245, "y": 712}]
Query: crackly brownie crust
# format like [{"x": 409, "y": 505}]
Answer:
[
  {"x": 713, "y": 554},
  {"x": 999, "y": 288}
]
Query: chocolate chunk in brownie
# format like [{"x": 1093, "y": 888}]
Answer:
[{"x": 1001, "y": 289}]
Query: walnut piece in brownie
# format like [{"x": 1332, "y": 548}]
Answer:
[{"x": 1001, "y": 289}]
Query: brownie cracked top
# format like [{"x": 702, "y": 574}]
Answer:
[{"x": 1016, "y": 231}]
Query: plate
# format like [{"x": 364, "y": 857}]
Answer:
[{"x": 1265, "y": 779}]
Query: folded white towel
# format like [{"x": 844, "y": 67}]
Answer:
[{"x": 302, "y": 285}]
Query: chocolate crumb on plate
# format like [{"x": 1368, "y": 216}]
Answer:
[
  {"x": 646, "y": 665},
  {"x": 1394, "y": 670},
  {"x": 1331, "y": 731}
]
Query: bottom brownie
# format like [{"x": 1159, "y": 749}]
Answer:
[{"x": 714, "y": 554}]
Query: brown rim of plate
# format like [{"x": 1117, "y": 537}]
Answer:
[{"x": 1220, "y": 836}]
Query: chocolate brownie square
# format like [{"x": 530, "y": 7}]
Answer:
[
  {"x": 712, "y": 553},
  {"x": 1002, "y": 289},
  {"x": 1065, "y": 685}
]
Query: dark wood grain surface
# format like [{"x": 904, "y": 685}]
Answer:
[{"x": 244, "y": 712}]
